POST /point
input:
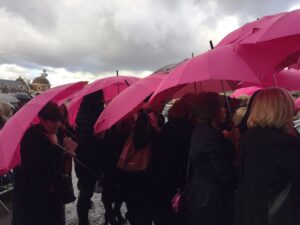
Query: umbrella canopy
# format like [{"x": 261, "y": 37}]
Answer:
[
  {"x": 297, "y": 103},
  {"x": 269, "y": 44},
  {"x": 12, "y": 132},
  {"x": 128, "y": 102},
  {"x": 289, "y": 79},
  {"x": 204, "y": 72},
  {"x": 111, "y": 86},
  {"x": 247, "y": 91},
  {"x": 281, "y": 25},
  {"x": 296, "y": 66},
  {"x": 8, "y": 98}
]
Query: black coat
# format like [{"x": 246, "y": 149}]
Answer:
[
  {"x": 212, "y": 180},
  {"x": 170, "y": 156},
  {"x": 269, "y": 178},
  {"x": 90, "y": 149},
  {"x": 38, "y": 197}
]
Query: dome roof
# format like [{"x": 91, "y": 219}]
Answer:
[
  {"x": 20, "y": 79},
  {"x": 41, "y": 79}
]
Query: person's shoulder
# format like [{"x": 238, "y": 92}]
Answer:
[
  {"x": 271, "y": 135},
  {"x": 207, "y": 131},
  {"x": 34, "y": 131}
]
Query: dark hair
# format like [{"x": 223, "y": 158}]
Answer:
[
  {"x": 207, "y": 105},
  {"x": 2, "y": 122},
  {"x": 65, "y": 113},
  {"x": 182, "y": 107},
  {"x": 243, "y": 124},
  {"x": 93, "y": 97},
  {"x": 234, "y": 104},
  {"x": 51, "y": 111},
  {"x": 160, "y": 120},
  {"x": 94, "y": 105},
  {"x": 141, "y": 131}
]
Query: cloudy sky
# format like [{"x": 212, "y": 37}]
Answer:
[{"x": 87, "y": 39}]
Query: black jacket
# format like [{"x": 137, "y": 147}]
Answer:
[
  {"x": 269, "y": 178},
  {"x": 212, "y": 181},
  {"x": 170, "y": 156},
  {"x": 90, "y": 149},
  {"x": 38, "y": 179}
]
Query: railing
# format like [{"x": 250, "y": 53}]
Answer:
[{"x": 6, "y": 185}]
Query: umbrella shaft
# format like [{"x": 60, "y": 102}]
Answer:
[{"x": 79, "y": 162}]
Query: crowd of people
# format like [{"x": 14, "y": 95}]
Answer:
[{"x": 225, "y": 173}]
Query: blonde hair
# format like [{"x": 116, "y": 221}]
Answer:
[{"x": 272, "y": 107}]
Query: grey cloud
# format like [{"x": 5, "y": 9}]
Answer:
[
  {"x": 253, "y": 8},
  {"x": 40, "y": 13},
  {"x": 102, "y": 36}
]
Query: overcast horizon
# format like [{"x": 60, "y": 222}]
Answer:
[{"x": 85, "y": 40}]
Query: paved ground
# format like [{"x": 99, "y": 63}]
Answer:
[{"x": 96, "y": 214}]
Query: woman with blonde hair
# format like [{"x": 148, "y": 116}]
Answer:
[{"x": 270, "y": 162}]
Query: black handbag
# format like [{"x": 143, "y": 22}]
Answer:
[{"x": 67, "y": 189}]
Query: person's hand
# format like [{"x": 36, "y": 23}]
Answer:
[
  {"x": 62, "y": 126},
  {"x": 52, "y": 138},
  {"x": 234, "y": 136},
  {"x": 70, "y": 145}
]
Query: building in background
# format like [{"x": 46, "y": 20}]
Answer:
[
  {"x": 23, "y": 89},
  {"x": 40, "y": 84}
]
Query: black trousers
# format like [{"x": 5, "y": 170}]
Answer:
[
  {"x": 210, "y": 216},
  {"x": 86, "y": 191}
]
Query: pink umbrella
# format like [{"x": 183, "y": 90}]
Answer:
[
  {"x": 295, "y": 66},
  {"x": 248, "y": 91},
  {"x": 111, "y": 86},
  {"x": 281, "y": 25},
  {"x": 128, "y": 102},
  {"x": 271, "y": 57},
  {"x": 269, "y": 44},
  {"x": 289, "y": 79},
  {"x": 12, "y": 133},
  {"x": 207, "y": 70},
  {"x": 297, "y": 103}
]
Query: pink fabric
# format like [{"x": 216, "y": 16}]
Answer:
[
  {"x": 265, "y": 29},
  {"x": 205, "y": 72},
  {"x": 297, "y": 104},
  {"x": 112, "y": 86},
  {"x": 12, "y": 133},
  {"x": 296, "y": 65},
  {"x": 248, "y": 91},
  {"x": 269, "y": 44},
  {"x": 128, "y": 102},
  {"x": 289, "y": 79}
]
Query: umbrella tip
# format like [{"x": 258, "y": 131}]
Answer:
[
  {"x": 192, "y": 54},
  {"x": 211, "y": 44},
  {"x": 117, "y": 72}
]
